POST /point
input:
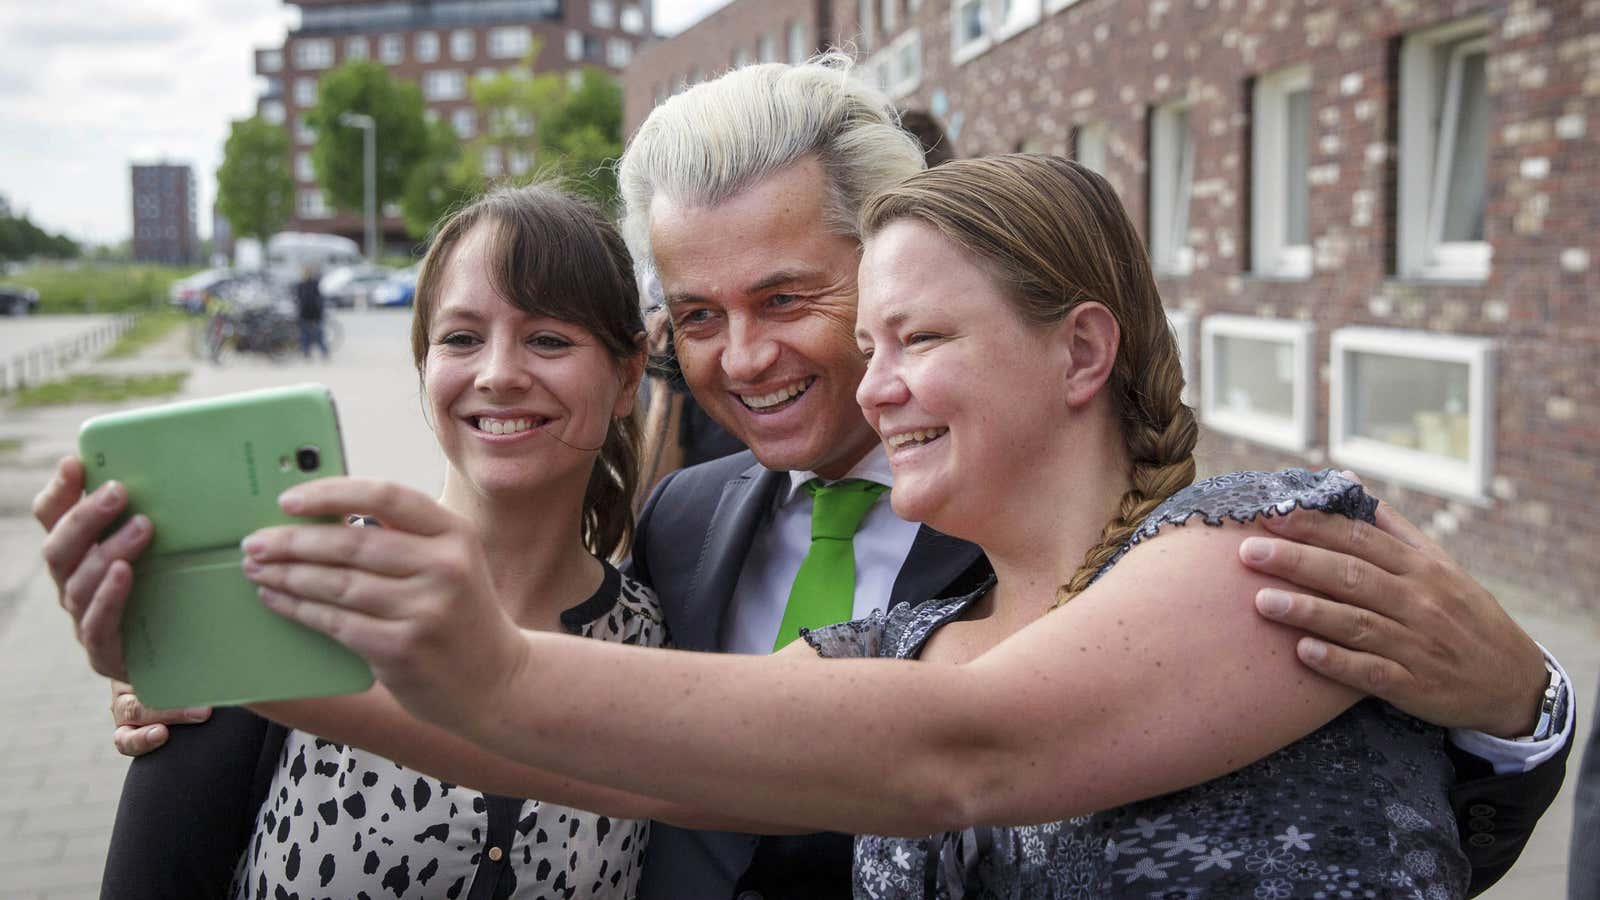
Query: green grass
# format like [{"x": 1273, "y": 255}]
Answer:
[
  {"x": 99, "y": 287},
  {"x": 147, "y": 329},
  {"x": 91, "y": 388},
  {"x": 10, "y": 446}
]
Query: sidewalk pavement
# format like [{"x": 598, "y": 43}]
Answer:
[{"x": 60, "y": 777}]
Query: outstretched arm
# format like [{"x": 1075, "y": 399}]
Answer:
[{"x": 1152, "y": 680}]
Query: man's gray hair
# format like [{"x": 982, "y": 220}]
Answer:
[{"x": 710, "y": 142}]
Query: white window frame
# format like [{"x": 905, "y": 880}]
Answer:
[
  {"x": 272, "y": 111},
  {"x": 312, "y": 204},
  {"x": 889, "y": 17},
  {"x": 303, "y": 169},
  {"x": 741, "y": 57},
  {"x": 272, "y": 61},
  {"x": 463, "y": 44},
  {"x": 799, "y": 43},
  {"x": 1429, "y": 99},
  {"x": 1292, "y": 434},
  {"x": 510, "y": 41},
  {"x": 444, "y": 84},
  {"x": 358, "y": 47},
  {"x": 1092, "y": 146},
  {"x": 767, "y": 48},
  {"x": 1272, "y": 254},
  {"x": 574, "y": 45},
  {"x": 392, "y": 49},
  {"x": 305, "y": 91},
  {"x": 1464, "y": 479},
  {"x": 303, "y": 132},
  {"x": 602, "y": 14},
  {"x": 1182, "y": 325},
  {"x": 313, "y": 53},
  {"x": 897, "y": 80},
  {"x": 464, "y": 122},
  {"x": 632, "y": 19},
  {"x": 426, "y": 47},
  {"x": 997, "y": 25},
  {"x": 619, "y": 52},
  {"x": 1171, "y": 185}
]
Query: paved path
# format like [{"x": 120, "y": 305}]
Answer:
[{"x": 59, "y": 777}]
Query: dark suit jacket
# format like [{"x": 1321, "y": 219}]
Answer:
[
  {"x": 1583, "y": 868},
  {"x": 692, "y": 539},
  {"x": 691, "y": 543}
]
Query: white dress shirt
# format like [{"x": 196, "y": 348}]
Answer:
[{"x": 781, "y": 542}]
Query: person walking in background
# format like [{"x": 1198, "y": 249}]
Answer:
[{"x": 308, "y": 310}]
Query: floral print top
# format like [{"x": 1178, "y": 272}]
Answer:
[{"x": 1359, "y": 808}]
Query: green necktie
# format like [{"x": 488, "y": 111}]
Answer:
[{"x": 824, "y": 589}]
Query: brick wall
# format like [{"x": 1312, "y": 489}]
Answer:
[{"x": 1109, "y": 61}]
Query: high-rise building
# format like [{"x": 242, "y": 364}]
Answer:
[
  {"x": 164, "y": 214},
  {"x": 440, "y": 45}
]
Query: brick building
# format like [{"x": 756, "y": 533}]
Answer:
[
  {"x": 164, "y": 214},
  {"x": 1375, "y": 224},
  {"x": 440, "y": 45}
]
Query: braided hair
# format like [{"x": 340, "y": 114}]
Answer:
[{"x": 1055, "y": 235}]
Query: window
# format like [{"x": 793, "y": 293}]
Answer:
[
  {"x": 392, "y": 49},
  {"x": 1182, "y": 325},
  {"x": 1171, "y": 175},
  {"x": 1444, "y": 142},
  {"x": 427, "y": 46},
  {"x": 866, "y": 23},
  {"x": 303, "y": 170},
  {"x": 269, "y": 60},
  {"x": 632, "y": 19},
  {"x": 305, "y": 91},
  {"x": 313, "y": 54},
  {"x": 465, "y": 123},
  {"x": 510, "y": 42},
  {"x": 898, "y": 67},
  {"x": 574, "y": 45},
  {"x": 1256, "y": 379},
  {"x": 889, "y": 16},
  {"x": 767, "y": 48},
  {"x": 272, "y": 111},
  {"x": 602, "y": 14},
  {"x": 312, "y": 205},
  {"x": 444, "y": 84},
  {"x": 799, "y": 43},
  {"x": 741, "y": 57},
  {"x": 1089, "y": 146},
  {"x": 618, "y": 52},
  {"x": 463, "y": 44},
  {"x": 1280, "y": 193},
  {"x": 357, "y": 48},
  {"x": 1414, "y": 406},
  {"x": 303, "y": 132},
  {"x": 492, "y": 166},
  {"x": 519, "y": 162},
  {"x": 977, "y": 25}
]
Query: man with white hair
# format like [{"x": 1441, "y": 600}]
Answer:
[{"x": 743, "y": 194}]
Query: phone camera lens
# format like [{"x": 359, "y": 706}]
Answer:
[{"x": 308, "y": 459}]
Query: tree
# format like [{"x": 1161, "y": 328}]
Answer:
[
  {"x": 21, "y": 239},
  {"x": 362, "y": 86},
  {"x": 255, "y": 192},
  {"x": 582, "y": 136},
  {"x": 436, "y": 184}
]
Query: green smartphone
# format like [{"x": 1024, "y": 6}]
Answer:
[{"x": 207, "y": 473}]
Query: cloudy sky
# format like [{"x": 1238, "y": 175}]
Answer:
[{"x": 89, "y": 86}]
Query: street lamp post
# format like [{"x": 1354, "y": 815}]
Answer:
[{"x": 369, "y": 147}]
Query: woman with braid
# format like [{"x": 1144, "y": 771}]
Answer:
[{"x": 1099, "y": 719}]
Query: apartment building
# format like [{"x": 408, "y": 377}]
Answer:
[
  {"x": 1375, "y": 224},
  {"x": 440, "y": 45},
  {"x": 164, "y": 214}
]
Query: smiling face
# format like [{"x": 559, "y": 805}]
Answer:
[
  {"x": 517, "y": 400},
  {"x": 962, "y": 391},
  {"x": 763, "y": 305}
]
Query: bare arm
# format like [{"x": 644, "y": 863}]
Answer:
[{"x": 1152, "y": 680}]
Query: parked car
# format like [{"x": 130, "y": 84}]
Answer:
[
  {"x": 290, "y": 253},
  {"x": 348, "y": 286},
  {"x": 398, "y": 290},
  {"x": 16, "y": 300},
  {"x": 189, "y": 292}
]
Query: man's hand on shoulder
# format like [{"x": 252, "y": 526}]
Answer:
[
  {"x": 1393, "y": 615},
  {"x": 140, "y": 730}
]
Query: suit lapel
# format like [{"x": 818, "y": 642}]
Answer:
[
  {"x": 935, "y": 562},
  {"x": 744, "y": 502}
]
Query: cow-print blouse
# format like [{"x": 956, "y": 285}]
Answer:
[{"x": 341, "y": 822}]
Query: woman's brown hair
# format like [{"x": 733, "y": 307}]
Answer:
[
  {"x": 1054, "y": 235},
  {"x": 554, "y": 254}
]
